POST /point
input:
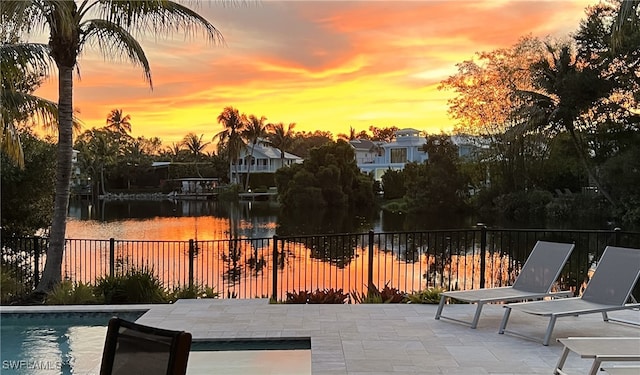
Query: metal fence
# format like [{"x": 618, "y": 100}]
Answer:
[{"x": 271, "y": 267}]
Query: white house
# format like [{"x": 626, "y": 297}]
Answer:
[
  {"x": 266, "y": 159},
  {"x": 378, "y": 157}
]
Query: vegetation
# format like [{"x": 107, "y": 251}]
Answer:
[
  {"x": 65, "y": 44},
  {"x": 386, "y": 295},
  {"x": 560, "y": 122},
  {"x": 429, "y": 295},
  {"x": 328, "y": 178},
  {"x": 324, "y": 296}
]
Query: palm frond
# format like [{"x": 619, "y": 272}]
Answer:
[
  {"x": 10, "y": 143},
  {"x": 33, "y": 57},
  {"x": 626, "y": 16},
  {"x": 158, "y": 16},
  {"x": 114, "y": 41}
]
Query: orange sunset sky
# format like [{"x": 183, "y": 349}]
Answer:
[{"x": 325, "y": 65}]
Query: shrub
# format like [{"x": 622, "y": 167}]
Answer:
[
  {"x": 429, "y": 295},
  {"x": 11, "y": 288},
  {"x": 191, "y": 292},
  {"x": 324, "y": 296},
  {"x": 68, "y": 293},
  {"x": 135, "y": 286},
  {"x": 386, "y": 295}
]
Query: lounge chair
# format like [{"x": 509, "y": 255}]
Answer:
[
  {"x": 534, "y": 281},
  {"x": 132, "y": 348},
  {"x": 601, "y": 349},
  {"x": 608, "y": 290}
]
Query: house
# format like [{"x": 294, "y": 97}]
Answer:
[
  {"x": 469, "y": 146},
  {"x": 266, "y": 159},
  {"x": 378, "y": 157}
]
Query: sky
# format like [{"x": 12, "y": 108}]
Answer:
[{"x": 323, "y": 65}]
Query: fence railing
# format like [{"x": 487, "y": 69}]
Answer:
[{"x": 271, "y": 267}]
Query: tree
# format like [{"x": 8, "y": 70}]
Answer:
[
  {"x": 118, "y": 123},
  {"x": 230, "y": 139},
  {"x": 353, "y": 134},
  {"x": 23, "y": 67},
  {"x": 281, "y": 138},
  {"x": 196, "y": 147},
  {"x": 27, "y": 192},
  {"x": 626, "y": 21},
  {"x": 71, "y": 28},
  {"x": 98, "y": 149},
  {"x": 304, "y": 142},
  {"x": 485, "y": 87},
  {"x": 328, "y": 178},
  {"x": 383, "y": 134},
  {"x": 565, "y": 89},
  {"x": 438, "y": 184},
  {"x": 255, "y": 131}
]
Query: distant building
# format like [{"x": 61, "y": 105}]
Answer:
[
  {"x": 266, "y": 159},
  {"x": 408, "y": 146},
  {"x": 378, "y": 157}
]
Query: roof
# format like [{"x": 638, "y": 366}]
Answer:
[{"x": 362, "y": 144}]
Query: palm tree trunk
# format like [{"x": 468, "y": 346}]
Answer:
[
  {"x": 246, "y": 184},
  {"x": 585, "y": 165},
  {"x": 52, "y": 273}
]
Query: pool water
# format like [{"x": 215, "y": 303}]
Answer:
[
  {"x": 53, "y": 343},
  {"x": 72, "y": 344}
]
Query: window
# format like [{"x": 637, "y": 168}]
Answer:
[{"x": 399, "y": 155}]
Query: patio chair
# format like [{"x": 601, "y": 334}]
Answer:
[
  {"x": 608, "y": 290},
  {"x": 534, "y": 281},
  {"x": 132, "y": 348}
]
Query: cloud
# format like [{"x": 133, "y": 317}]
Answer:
[{"x": 322, "y": 64}]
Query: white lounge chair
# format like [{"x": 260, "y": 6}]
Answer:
[
  {"x": 608, "y": 290},
  {"x": 534, "y": 281}
]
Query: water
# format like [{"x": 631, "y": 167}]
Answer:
[
  {"x": 52, "y": 343},
  {"x": 210, "y": 220},
  {"x": 73, "y": 344}
]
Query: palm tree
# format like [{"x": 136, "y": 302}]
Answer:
[
  {"x": 196, "y": 147},
  {"x": 255, "y": 130},
  {"x": 280, "y": 138},
  {"x": 118, "y": 123},
  {"x": 71, "y": 28},
  {"x": 230, "y": 139},
  {"x": 567, "y": 91},
  {"x": 627, "y": 17},
  {"x": 350, "y": 137},
  {"x": 23, "y": 66}
]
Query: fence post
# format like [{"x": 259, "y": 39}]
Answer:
[
  {"x": 483, "y": 252},
  {"x": 192, "y": 253},
  {"x": 370, "y": 285},
  {"x": 36, "y": 260},
  {"x": 112, "y": 256},
  {"x": 274, "y": 271},
  {"x": 616, "y": 236}
]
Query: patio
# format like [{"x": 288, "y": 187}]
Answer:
[{"x": 377, "y": 339}]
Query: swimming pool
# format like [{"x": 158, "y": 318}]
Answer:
[
  {"x": 54, "y": 343},
  {"x": 72, "y": 343}
]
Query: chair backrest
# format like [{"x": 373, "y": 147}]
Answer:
[
  {"x": 543, "y": 266},
  {"x": 132, "y": 348},
  {"x": 615, "y": 276}
]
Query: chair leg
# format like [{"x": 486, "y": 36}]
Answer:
[
  {"x": 605, "y": 317},
  {"x": 505, "y": 319},
  {"x": 440, "y": 307},
  {"x": 561, "y": 360},
  {"x": 547, "y": 335},
  {"x": 476, "y": 317}
]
